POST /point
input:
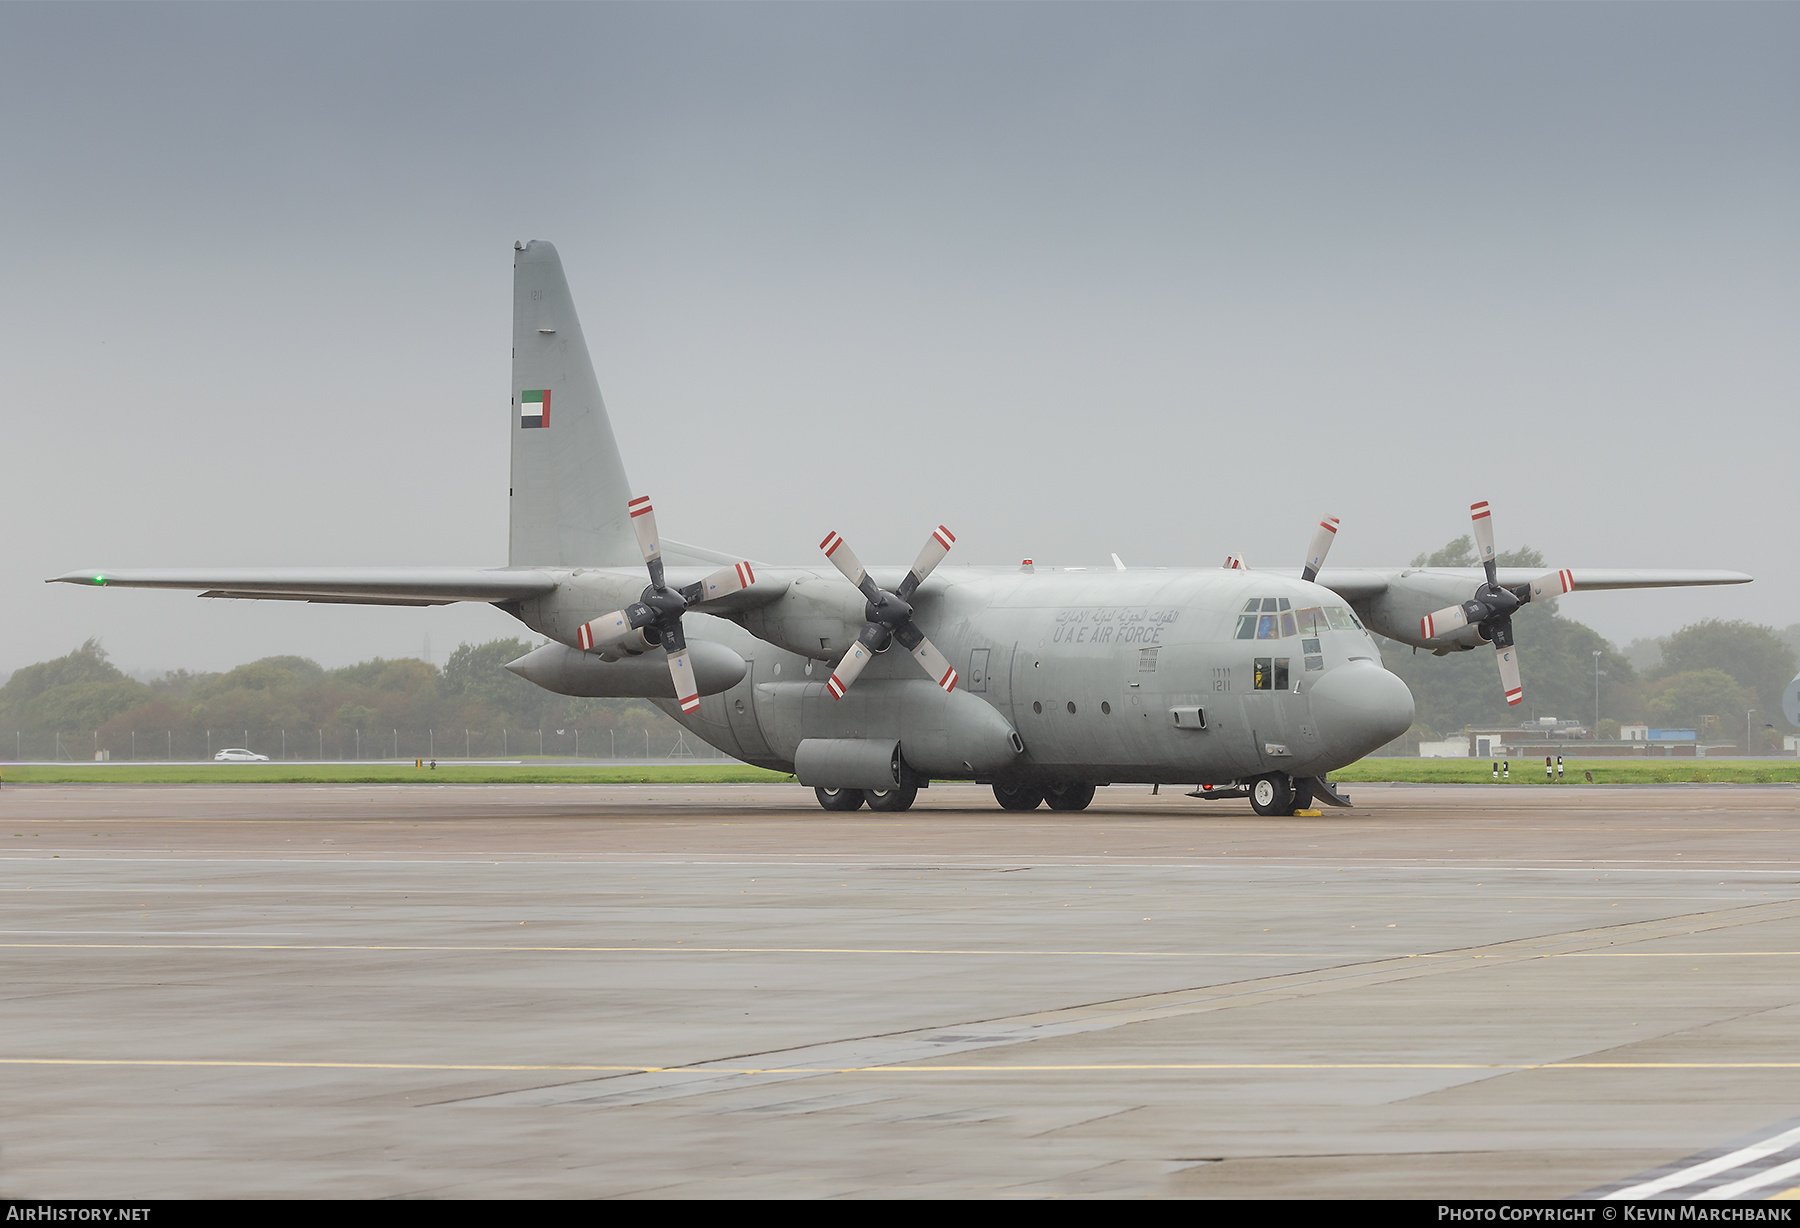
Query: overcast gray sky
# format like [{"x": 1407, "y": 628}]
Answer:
[{"x": 1170, "y": 281}]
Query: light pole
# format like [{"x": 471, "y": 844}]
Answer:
[{"x": 1596, "y": 692}]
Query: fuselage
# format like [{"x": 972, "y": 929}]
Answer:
[{"x": 1178, "y": 677}]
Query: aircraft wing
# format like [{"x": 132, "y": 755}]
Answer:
[
  {"x": 1392, "y": 602},
  {"x": 339, "y": 585},
  {"x": 1362, "y": 583}
]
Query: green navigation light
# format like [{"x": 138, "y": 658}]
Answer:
[{"x": 99, "y": 579}]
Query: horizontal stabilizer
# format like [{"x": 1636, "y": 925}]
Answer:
[{"x": 343, "y": 585}]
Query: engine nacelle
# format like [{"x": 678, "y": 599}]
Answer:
[{"x": 568, "y": 671}]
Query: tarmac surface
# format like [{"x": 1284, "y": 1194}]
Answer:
[{"x": 722, "y": 991}]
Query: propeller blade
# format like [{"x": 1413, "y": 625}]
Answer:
[
  {"x": 721, "y": 583},
  {"x": 936, "y": 547},
  {"x": 643, "y": 519},
  {"x": 687, "y": 691},
  {"x": 934, "y": 663},
  {"x": 1484, "y": 536},
  {"x": 1443, "y": 622},
  {"x": 859, "y": 655},
  {"x": 844, "y": 559},
  {"x": 1509, "y": 674},
  {"x": 1323, "y": 536},
  {"x": 612, "y": 632},
  {"x": 1554, "y": 584}
]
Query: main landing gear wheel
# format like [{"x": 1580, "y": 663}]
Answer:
[
  {"x": 1272, "y": 794},
  {"x": 1018, "y": 797},
  {"x": 1070, "y": 797},
  {"x": 892, "y": 799},
  {"x": 1303, "y": 795},
  {"x": 839, "y": 799}
]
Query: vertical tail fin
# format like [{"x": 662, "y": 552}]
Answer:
[{"x": 569, "y": 488}]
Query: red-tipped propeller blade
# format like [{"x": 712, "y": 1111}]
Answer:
[
  {"x": 1553, "y": 584},
  {"x": 1323, "y": 536},
  {"x": 936, "y": 547},
  {"x": 1452, "y": 618},
  {"x": 687, "y": 691},
  {"x": 848, "y": 669},
  {"x": 1509, "y": 674},
  {"x": 844, "y": 559},
  {"x": 1484, "y": 535},
  {"x": 612, "y": 633},
  {"x": 935, "y": 664}
]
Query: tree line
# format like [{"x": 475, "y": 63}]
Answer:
[{"x": 292, "y": 707}]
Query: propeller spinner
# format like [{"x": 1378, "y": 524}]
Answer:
[
  {"x": 1491, "y": 609},
  {"x": 889, "y": 614},
  {"x": 655, "y": 618}
]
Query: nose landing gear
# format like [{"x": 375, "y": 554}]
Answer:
[{"x": 1279, "y": 794}]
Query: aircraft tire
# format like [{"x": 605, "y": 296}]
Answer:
[
  {"x": 839, "y": 799},
  {"x": 1018, "y": 798},
  {"x": 1303, "y": 794},
  {"x": 1272, "y": 794},
  {"x": 892, "y": 800},
  {"x": 1071, "y": 797}
]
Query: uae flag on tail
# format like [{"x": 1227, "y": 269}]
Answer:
[{"x": 534, "y": 408}]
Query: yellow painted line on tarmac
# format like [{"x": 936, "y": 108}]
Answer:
[
  {"x": 897, "y": 1068},
  {"x": 1666, "y": 954},
  {"x": 699, "y": 950}
]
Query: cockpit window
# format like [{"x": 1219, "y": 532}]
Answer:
[{"x": 1274, "y": 618}]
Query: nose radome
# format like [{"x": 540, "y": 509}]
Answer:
[{"x": 1360, "y": 707}]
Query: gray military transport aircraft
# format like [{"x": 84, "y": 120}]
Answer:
[{"x": 1043, "y": 682}]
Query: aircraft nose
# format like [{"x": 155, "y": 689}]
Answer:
[{"x": 1360, "y": 707}]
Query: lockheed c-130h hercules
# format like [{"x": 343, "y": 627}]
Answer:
[{"x": 1044, "y": 683}]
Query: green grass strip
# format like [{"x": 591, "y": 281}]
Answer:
[
  {"x": 384, "y": 774},
  {"x": 1368, "y": 771},
  {"x": 1575, "y": 771}
]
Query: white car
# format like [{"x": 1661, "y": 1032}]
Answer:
[{"x": 237, "y": 754}]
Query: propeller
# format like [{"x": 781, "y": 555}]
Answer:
[
  {"x": 1323, "y": 536},
  {"x": 655, "y": 618},
  {"x": 889, "y": 615},
  {"x": 1491, "y": 609}
]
